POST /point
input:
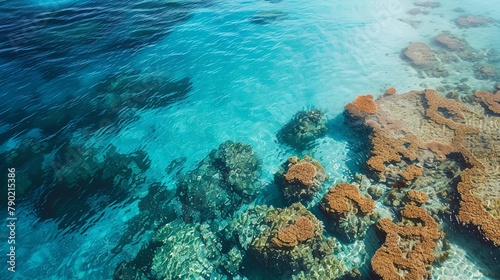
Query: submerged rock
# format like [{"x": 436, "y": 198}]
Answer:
[
  {"x": 221, "y": 183},
  {"x": 300, "y": 179},
  {"x": 303, "y": 128}
]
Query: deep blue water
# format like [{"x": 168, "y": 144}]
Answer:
[{"x": 129, "y": 94}]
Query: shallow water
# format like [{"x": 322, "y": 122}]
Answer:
[{"x": 247, "y": 78}]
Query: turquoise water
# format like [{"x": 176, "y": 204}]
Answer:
[{"x": 247, "y": 80}]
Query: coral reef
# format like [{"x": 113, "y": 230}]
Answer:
[
  {"x": 292, "y": 240},
  {"x": 420, "y": 54},
  {"x": 87, "y": 180},
  {"x": 82, "y": 166},
  {"x": 135, "y": 89},
  {"x": 473, "y": 21},
  {"x": 349, "y": 212},
  {"x": 303, "y": 128},
  {"x": 423, "y": 58},
  {"x": 423, "y": 129},
  {"x": 458, "y": 46},
  {"x": 154, "y": 209},
  {"x": 111, "y": 100},
  {"x": 408, "y": 248},
  {"x": 490, "y": 100},
  {"x": 300, "y": 179},
  {"x": 484, "y": 72},
  {"x": 221, "y": 183}
]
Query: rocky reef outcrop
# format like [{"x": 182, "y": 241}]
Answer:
[
  {"x": 221, "y": 183},
  {"x": 303, "y": 128},
  {"x": 349, "y": 212},
  {"x": 300, "y": 179}
]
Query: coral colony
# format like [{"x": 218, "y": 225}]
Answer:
[{"x": 427, "y": 175}]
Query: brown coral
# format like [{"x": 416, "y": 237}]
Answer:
[
  {"x": 301, "y": 174},
  {"x": 407, "y": 252},
  {"x": 345, "y": 198},
  {"x": 411, "y": 172},
  {"x": 417, "y": 196},
  {"x": 302, "y": 230},
  {"x": 492, "y": 101}
]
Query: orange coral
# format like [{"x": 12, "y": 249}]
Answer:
[
  {"x": 302, "y": 174},
  {"x": 411, "y": 172},
  {"x": 386, "y": 149},
  {"x": 345, "y": 198},
  {"x": 300, "y": 179},
  {"x": 417, "y": 196},
  {"x": 390, "y": 91},
  {"x": 365, "y": 104},
  {"x": 408, "y": 250},
  {"x": 302, "y": 230},
  {"x": 492, "y": 101}
]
